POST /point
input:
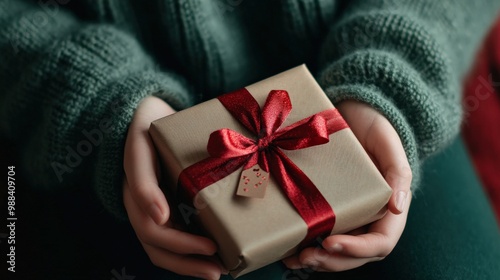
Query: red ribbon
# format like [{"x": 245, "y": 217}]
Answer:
[{"x": 230, "y": 150}]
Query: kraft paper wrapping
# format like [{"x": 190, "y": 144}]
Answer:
[{"x": 253, "y": 232}]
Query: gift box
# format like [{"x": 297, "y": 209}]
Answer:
[{"x": 269, "y": 168}]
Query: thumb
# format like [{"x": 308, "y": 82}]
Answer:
[
  {"x": 399, "y": 178},
  {"x": 140, "y": 166},
  {"x": 386, "y": 147},
  {"x": 140, "y": 161}
]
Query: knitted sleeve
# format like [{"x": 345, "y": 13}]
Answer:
[
  {"x": 406, "y": 58},
  {"x": 68, "y": 93}
]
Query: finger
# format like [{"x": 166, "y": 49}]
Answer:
[
  {"x": 165, "y": 237},
  {"x": 320, "y": 260},
  {"x": 385, "y": 145},
  {"x": 218, "y": 261},
  {"x": 362, "y": 246},
  {"x": 344, "y": 252},
  {"x": 183, "y": 264},
  {"x": 293, "y": 262},
  {"x": 178, "y": 241},
  {"x": 323, "y": 261},
  {"x": 152, "y": 201},
  {"x": 381, "y": 239},
  {"x": 359, "y": 231},
  {"x": 347, "y": 252}
]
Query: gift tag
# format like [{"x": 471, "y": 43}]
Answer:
[{"x": 253, "y": 182}]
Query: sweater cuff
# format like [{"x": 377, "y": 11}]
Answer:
[{"x": 114, "y": 126}]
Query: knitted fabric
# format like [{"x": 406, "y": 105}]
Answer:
[{"x": 72, "y": 72}]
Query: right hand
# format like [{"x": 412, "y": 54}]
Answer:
[
  {"x": 148, "y": 209},
  {"x": 375, "y": 241}
]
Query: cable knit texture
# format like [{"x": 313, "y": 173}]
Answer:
[{"x": 72, "y": 72}]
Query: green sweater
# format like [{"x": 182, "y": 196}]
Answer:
[{"x": 72, "y": 72}]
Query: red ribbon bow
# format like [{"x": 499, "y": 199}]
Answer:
[{"x": 230, "y": 150}]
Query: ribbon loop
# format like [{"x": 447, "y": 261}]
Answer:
[
  {"x": 227, "y": 143},
  {"x": 244, "y": 108},
  {"x": 313, "y": 132},
  {"x": 275, "y": 111}
]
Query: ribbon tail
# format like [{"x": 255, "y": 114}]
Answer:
[
  {"x": 303, "y": 194},
  {"x": 244, "y": 108},
  {"x": 208, "y": 171}
]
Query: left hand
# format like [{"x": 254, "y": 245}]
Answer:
[
  {"x": 376, "y": 240},
  {"x": 167, "y": 245}
]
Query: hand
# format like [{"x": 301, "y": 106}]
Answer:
[
  {"x": 148, "y": 209},
  {"x": 375, "y": 241}
]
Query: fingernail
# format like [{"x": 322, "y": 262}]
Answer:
[
  {"x": 336, "y": 248},
  {"x": 311, "y": 263},
  {"x": 295, "y": 266},
  {"x": 156, "y": 214},
  {"x": 207, "y": 276},
  {"x": 400, "y": 201},
  {"x": 225, "y": 271}
]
